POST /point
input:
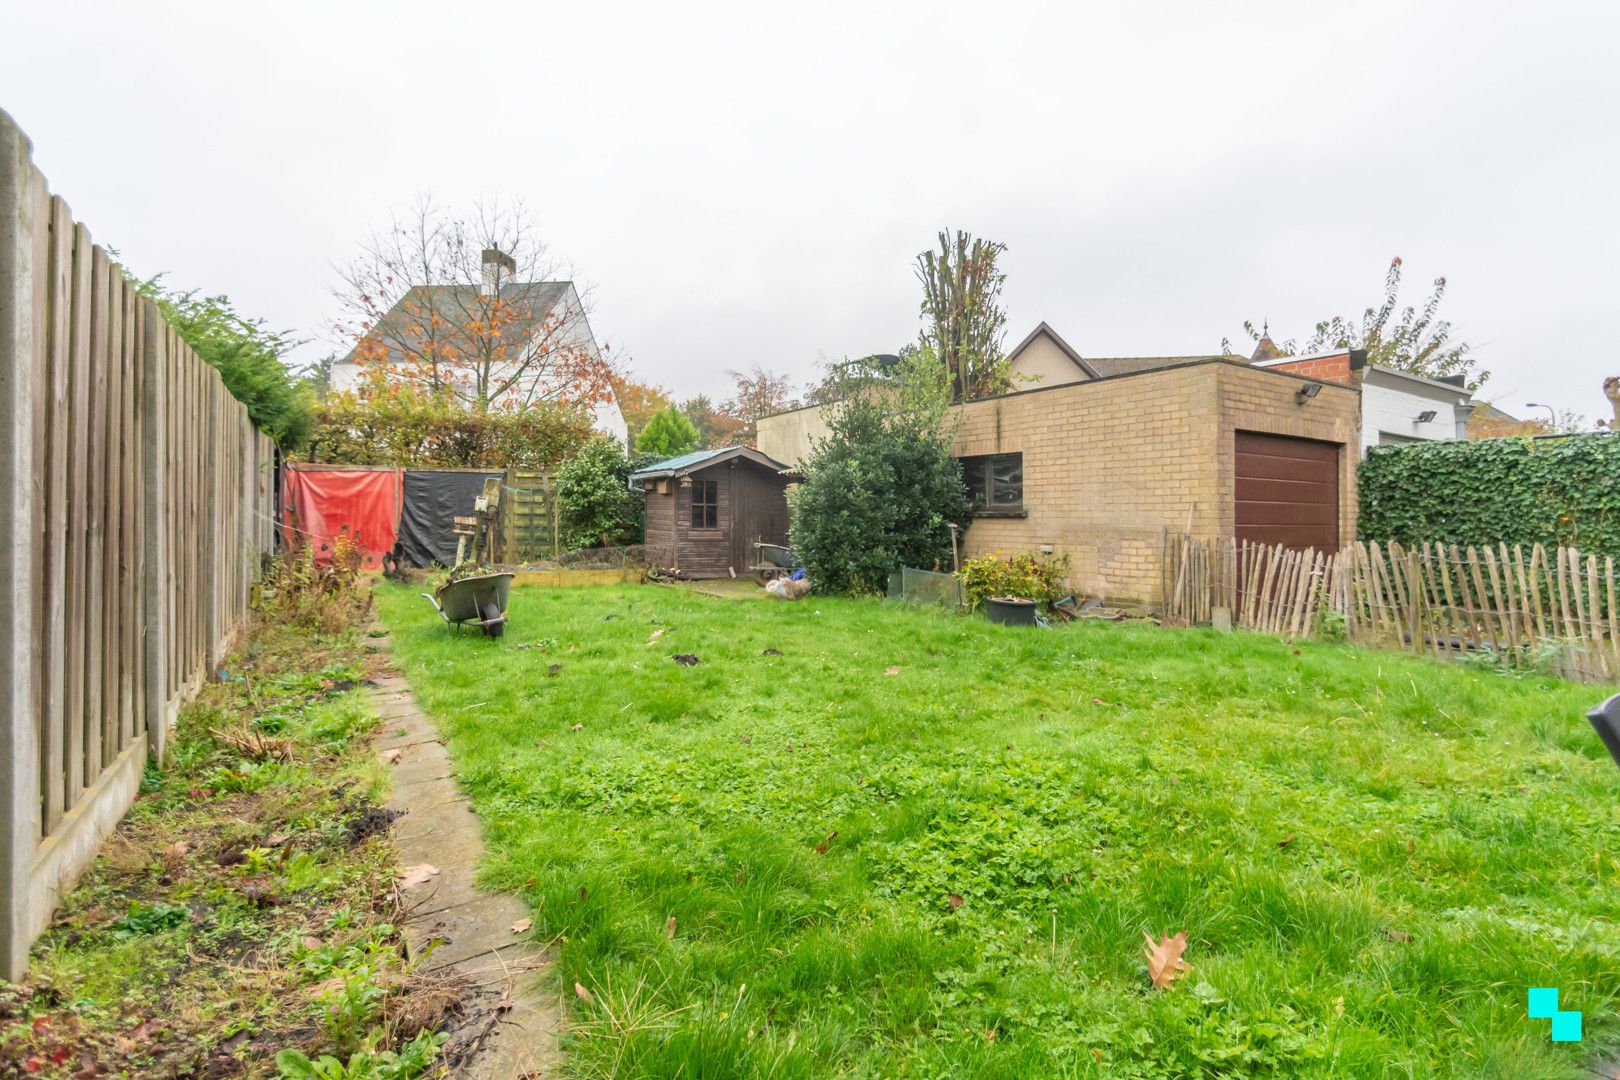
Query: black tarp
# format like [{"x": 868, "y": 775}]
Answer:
[{"x": 431, "y": 500}]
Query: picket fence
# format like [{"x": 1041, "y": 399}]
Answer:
[
  {"x": 1553, "y": 608},
  {"x": 136, "y": 502}
]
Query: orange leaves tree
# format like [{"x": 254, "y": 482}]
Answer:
[{"x": 470, "y": 309}]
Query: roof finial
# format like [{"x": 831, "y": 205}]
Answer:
[{"x": 1265, "y": 328}]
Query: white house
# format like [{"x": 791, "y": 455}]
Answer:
[
  {"x": 1396, "y": 406},
  {"x": 545, "y": 316}
]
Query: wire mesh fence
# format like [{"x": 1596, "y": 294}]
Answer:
[{"x": 927, "y": 587}]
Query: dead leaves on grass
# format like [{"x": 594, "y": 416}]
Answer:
[{"x": 1165, "y": 964}]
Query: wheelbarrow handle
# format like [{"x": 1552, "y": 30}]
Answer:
[{"x": 430, "y": 599}]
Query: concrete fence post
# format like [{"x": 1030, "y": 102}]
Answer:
[{"x": 23, "y": 225}]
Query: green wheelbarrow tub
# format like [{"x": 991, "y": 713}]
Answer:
[{"x": 480, "y": 599}]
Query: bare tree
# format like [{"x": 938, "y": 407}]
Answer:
[
  {"x": 963, "y": 320},
  {"x": 472, "y": 308},
  {"x": 760, "y": 393}
]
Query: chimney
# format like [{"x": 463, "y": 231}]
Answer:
[{"x": 496, "y": 262}]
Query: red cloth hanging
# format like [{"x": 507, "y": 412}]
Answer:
[{"x": 324, "y": 503}]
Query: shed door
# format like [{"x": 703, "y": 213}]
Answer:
[{"x": 1287, "y": 491}]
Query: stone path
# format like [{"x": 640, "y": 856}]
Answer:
[{"x": 509, "y": 1028}]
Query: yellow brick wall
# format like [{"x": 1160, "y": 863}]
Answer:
[{"x": 1109, "y": 464}]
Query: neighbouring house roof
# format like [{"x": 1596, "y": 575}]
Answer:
[
  {"x": 1456, "y": 384},
  {"x": 1109, "y": 366},
  {"x": 1485, "y": 411},
  {"x": 1044, "y": 329},
  {"x": 531, "y": 301},
  {"x": 702, "y": 459},
  {"x": 1265, "y": 349}
]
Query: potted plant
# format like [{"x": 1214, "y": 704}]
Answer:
[{"x": 1012, "y": 589}]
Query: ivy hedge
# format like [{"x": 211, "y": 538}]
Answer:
[{"x": 1563, "y": 490}]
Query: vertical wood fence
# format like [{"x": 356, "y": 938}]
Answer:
[
  {"x": 137, "y": 501},
  {"x": 1557, "y": 609}
]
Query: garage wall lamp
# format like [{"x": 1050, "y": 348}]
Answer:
[
  {"x": 1306, "y": 392},
  {"x": 1425, "y": 416}
]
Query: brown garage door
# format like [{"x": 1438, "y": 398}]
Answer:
[{"x": 1287, "y": 491}]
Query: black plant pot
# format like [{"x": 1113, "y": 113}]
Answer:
[{"x": 1010, "y": 610}]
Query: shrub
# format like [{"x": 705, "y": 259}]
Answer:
[
  {"x": 403, "y": 426},
  {"x": 246, "y": 355},
  {"x": 881, "y": 491},
  {"x": 1562, "y": 491},
  {"x": 1031, "y": 575},
  {"x": 598, "y": 508}
]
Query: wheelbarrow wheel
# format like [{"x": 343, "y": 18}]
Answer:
[{"x": 494, "y": 624}]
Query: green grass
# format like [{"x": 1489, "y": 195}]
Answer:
[{"x": 1453, "y": 842}]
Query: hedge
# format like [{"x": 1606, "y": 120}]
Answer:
[
  {"x": 404, "y": 430},
  {"x": 1563, "y": 490}
]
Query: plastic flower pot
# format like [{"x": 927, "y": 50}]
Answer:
[{"x": 1010, "y": 610}]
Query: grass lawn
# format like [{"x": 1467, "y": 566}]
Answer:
[{"x": 946, "y": 870}]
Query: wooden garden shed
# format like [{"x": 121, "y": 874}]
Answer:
[{"x": 706, "y": 510}]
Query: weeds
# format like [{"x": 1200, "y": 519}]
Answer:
[
  {"x": 305, "y": 590},
  {"x": 242, "y": 913}
]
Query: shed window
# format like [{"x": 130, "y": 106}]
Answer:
[
  {"x": 995, "y": 483},
  {"x": 705, "y": 504}
]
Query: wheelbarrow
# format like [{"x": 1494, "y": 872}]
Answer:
[
  {"x": 772, "y": 561},
  {"x": 480, "y": 599}
]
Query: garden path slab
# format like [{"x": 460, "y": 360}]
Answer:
[{"x": 509, "y": 1025}]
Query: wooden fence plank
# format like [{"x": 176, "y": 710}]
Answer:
[
  {"x": 1506, "y": 603},
  {"x": 112, "y": 446},
  {"x": 96, "y": 512},
  {"x": 53, "y": 632},
  {"x": 78, "y": 510},
  {"x": 1614, "y": 615}
]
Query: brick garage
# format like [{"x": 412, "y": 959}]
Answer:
[{"x": 1109, "y": 463}]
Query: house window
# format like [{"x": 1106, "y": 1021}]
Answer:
[
  {"x": 995, "y": 483},
  {"x": 705, "y": 504}
]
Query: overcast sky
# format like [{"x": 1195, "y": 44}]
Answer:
[{"x": 751, "y": 182}]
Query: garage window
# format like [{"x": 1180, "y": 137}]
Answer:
[{"x": 995, "y": 484}]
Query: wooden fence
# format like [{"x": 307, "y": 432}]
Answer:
[
  {"x": 1533, "y": 607},
  {"x": 137, "y": 502},
  {"x": 532, "y": 525}
]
